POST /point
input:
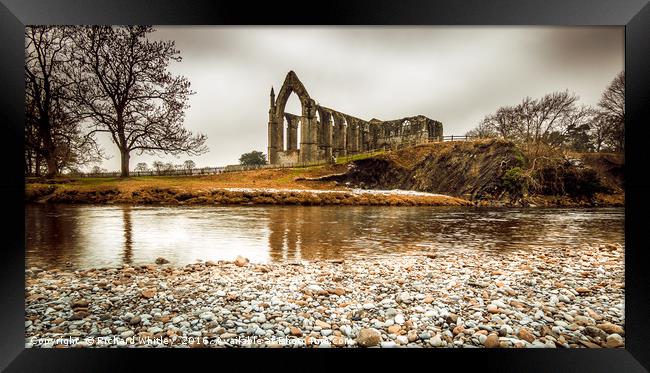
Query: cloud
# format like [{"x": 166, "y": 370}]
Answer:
[{"x": 453, "y": 74}]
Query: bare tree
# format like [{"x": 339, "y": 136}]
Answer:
[
  {"x": 141, "y": 167},
  {"x": 158, "y": 166},
  {"x": 612, "y": 107},
  {"x": 534, "y": 122},
  {"x": 547, "y": 119},
  {"x": 168, "y": 168},
  {"x": 189, "y": 165},
  {"x": 97, "y": 170},
  {"x": 125, "y": 87},
  {"x": 599, "y": 130},
  {"x": 483, "y": 130},
  {"x": 53, "y": 127},
  {"x": 577, "y": 134}
]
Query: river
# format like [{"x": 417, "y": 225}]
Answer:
[{"x": 86, "y": 236}]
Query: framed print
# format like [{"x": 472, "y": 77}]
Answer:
[{"x": 430, "y": 178}]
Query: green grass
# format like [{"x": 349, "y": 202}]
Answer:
[{"x": 356, "y": 157}]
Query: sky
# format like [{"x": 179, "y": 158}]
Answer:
[{"x": 455, "y": 75}]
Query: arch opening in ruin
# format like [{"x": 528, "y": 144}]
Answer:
[
  {"x": 291, "y": 125},
  {"x": 320, "y": 133}
]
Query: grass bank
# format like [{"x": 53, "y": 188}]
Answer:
[
  {"x": 482, "y": 173},
  {"x": 265, "y": 187}
]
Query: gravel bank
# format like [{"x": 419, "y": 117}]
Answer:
[{"x": 549, "y": 298}]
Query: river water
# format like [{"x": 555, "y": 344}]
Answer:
[{"x": 82, "y": 236}]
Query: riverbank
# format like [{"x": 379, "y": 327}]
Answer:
[
  {"x": 566, "y": 298},
  {"x": 480, "y": 173},
  {"x": 195, "y": 192},
  {"x": 597, "y": 200},
  {"x": 241, "y": 196}
]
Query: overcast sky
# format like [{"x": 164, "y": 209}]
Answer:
[{"x": 455, "y": 75}]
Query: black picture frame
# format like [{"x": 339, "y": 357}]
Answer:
[{"x": 633, "y": 14}]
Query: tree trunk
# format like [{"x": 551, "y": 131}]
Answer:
[
  {"x": 50, "y": 157},
  {"x": 37, "y": 166},
  {"x": 48, "y": 146},
  {"x": 28, "y": 163},
  {"x": 125, "y": 156},
  {"x": 51, "y": 166}
]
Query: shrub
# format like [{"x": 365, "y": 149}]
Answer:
[
  {"x": 583, "y": 183},
  {"x": 515, "y": 182}
]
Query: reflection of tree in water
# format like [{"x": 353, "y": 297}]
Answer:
[
  {"x": 86, "y": 235},
  {"x": 50, "y": 234},
  {"x": 336, "y": 232},
  {"x": 299, "y": 232},
  {"x": 128, "y": 235}
]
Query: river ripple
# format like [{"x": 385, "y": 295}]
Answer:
[{"x": 82, "y": 236}]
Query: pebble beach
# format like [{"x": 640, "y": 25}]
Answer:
[{"x": 542, "y": 298}]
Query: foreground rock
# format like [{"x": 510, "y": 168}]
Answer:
[
  {"x": 368, "y": 337},
  {"x": 509, "y": 299}
]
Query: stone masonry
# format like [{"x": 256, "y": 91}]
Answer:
[{"x": 327, "y": 133}]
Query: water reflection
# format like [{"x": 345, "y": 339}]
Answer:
[
  {"x": 128, "y": 236},
  {"x": 93, "y": 236}
]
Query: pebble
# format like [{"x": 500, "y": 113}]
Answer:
[
  {"x": 408, "y": 301},
  {"x": 610, "y": 328},
  {"x": 207, "y": 316},
  {"x": 240, "y": 261},
  {"x": 295, "y": 331},
  {"x": 614, "y": 340},
  {"x": 526, "y": 335},
  {"x": 394, "y": 329},
  {"x": 368, "y": 337},
  {"x": 491, "y": 341},
  {"x": 436, "y": 341},
  {"x": 315, "y": 288}
]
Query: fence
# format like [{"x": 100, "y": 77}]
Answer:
[
  {"x": 235, "y": 168},
  {"x": 173, "y": 172},
  {"x": 195, "y": 171},
  {"x": 458, "y": 138}
]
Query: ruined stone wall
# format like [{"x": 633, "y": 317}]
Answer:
[
  {"x": 288, "y": 157},
  {"x": 327, "y": 133},
  {"x": 410, "y": 130}
]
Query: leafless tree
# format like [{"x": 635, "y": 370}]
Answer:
[
  {"x": 189, "y": 164},
  {"x": 158, "y": 166},
  {"x": 53, "y": 128},
  {"x": 97, "y": 170},
  {"x": 483, "y": 131},
  {"x": 534, "y": 122},
  {"x": 612, "y": 107},
  {"x": 168, "y": 168},
  {"x": 141, "y": 167},
  {"x": 577, "y": 134},
  {"x": 124, "y": 85}
]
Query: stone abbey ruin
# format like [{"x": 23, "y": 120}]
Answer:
[{"x": 327, "y": 133}]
